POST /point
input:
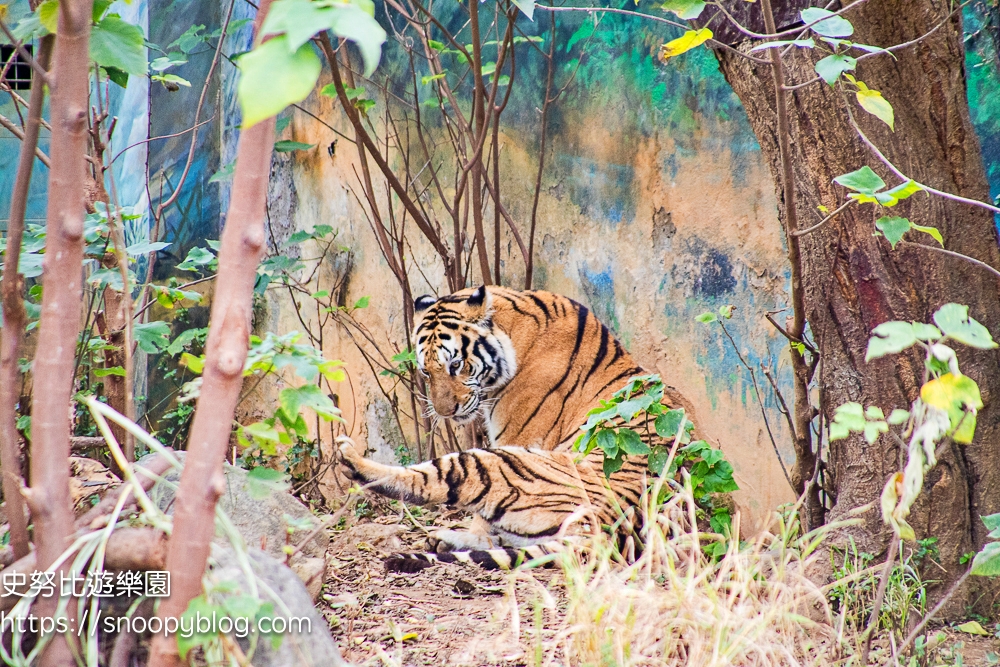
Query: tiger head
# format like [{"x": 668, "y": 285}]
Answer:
[{"x": 462, "y": 354}]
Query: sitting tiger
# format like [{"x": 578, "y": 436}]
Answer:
[{"x": 530, "y": 365}]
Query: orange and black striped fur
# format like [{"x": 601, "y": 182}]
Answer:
[{"x": 530, "y": 365}]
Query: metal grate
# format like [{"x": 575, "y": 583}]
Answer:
[{"x": 18, "y": 75}]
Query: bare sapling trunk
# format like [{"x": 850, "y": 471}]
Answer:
[
  {"x": 225, "y": 353},
  {"x": 62, "y": 300},
  {"x": 14, "y": 317}
]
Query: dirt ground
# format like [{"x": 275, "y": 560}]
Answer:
[
  {"x": 445, "y": 615},
  {"x": 459, "y": 615}
]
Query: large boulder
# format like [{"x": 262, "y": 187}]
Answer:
[
  {"x": 307, "y": 641},
  {"x": 268, "y": 521}
]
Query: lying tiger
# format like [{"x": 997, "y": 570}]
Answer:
[{"x": 531, "y": 365}]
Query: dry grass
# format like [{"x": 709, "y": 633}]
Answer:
[{"x": 754, "y": 606}]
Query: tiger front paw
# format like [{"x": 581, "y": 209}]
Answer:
[{"x": 351, "y": 456}]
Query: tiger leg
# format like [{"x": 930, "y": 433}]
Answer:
[
  {"x": 478, "y": 536},
  {"x": 419, "y": 484}
]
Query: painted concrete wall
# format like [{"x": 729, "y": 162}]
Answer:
[{"x": 656, "y": 206}]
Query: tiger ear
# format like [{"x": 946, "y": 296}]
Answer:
[
  {"x": 478, "y": 297},
  {"x": 424, "y": 302}
]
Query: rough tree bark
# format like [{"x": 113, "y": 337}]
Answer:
[
  {"x": 225, "y": 353},
  {"x": 48, "y": 497},
  {"x": 14, "y": 316},
  {"x": 854, "y": 281}
]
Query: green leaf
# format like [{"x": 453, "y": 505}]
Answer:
[
  {"x": 926, "y": 331},
  {"x": 706, "y": 318},
  {"x": 668, "y": 424},
  {"x": 874, "y": 412},
  {"x": 362, "y": 302},
  {"x": 225, "y": 173},
  {"x": 289, "y": 146},
  {"x": 527, "y": 8},
  {"x": 196, "y": 257},
  {"x": 313, "y": 397},
  {"x": 119, "y": 44},
  {"x": 627, "y": 410},
  {"x": 955, "y": 394},
  {"x": 890, "y": 338},
  {"x": 189, "y": 40},
  {"x": 872, "y": 430},
  {"x": 658, "y": 459},
  {"x": 905, "y": 190},
  {"x": 145, "y": 247},
  {"x": 847, "y": 418},
  {"x": 194, "y": 364},
  {"x": 273, "y": 78},
  {"x": 932, "y": 231},
  {"x": 183, "y": 338},
  {"x": 199, "y": 607},
  {"x": 685, "y": 9},
  {"x": 427, "y": 79},
  {"x": 835, "y": 26},
  {"x": 897, "y": 417},
  {"x": 873, "y": 102},
  {"x": 170, "y": 78},
  {"x": 117, "y": 76},
  {"x": 954, "y": 321},
  {"x": 831, "y": 67},
  {"x": 242, "y": 606},
  {"x": 992, "y": 523},
  {"x": 262, "y": 481},
  {"x": 972, "y": 628},
  {"x": 607, "y": 441},
  {"x": 689, "y": 40},
  {"x": 152, "y": 337},
  {"x": 48, "y": 15},
  {"x": 631, "y": 443},
  {"x": 165, "y": 62},
  {"x": 114, "y": 370},
  {"x": 613, "y": 465},
  {"x": 290, "y": 402},
  {"x": 987, "y": 562},
  {"x": 893, "y": 228},
  {"x": 863, "y": 180},
  {"x": 355, "y": 24}
]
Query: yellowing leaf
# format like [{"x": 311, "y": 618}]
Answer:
[
  {"x": 873, "y": 102},
  {"x": 973, "y": 628},
  {"x": 689, "y": 40},
  {"x": 48, "y": 15},
  {"x": 955, "y": 394}
]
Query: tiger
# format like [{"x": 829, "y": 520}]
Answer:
[{"x": 530, "y": 365}]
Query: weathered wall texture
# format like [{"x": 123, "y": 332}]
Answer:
[{"x": 655, "y": 207}]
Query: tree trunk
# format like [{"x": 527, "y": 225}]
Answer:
[
  {"x": 62, "y": 301},
  {"x": 853, "y": 280}
]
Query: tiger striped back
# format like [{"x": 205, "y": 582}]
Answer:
[{"x": 530, "y": 364}]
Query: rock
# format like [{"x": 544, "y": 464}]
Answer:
[
  {"x": 313, "y": 645},
  {"x": 263, "y": 522},
  {"x": 312, "y": 572}
]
